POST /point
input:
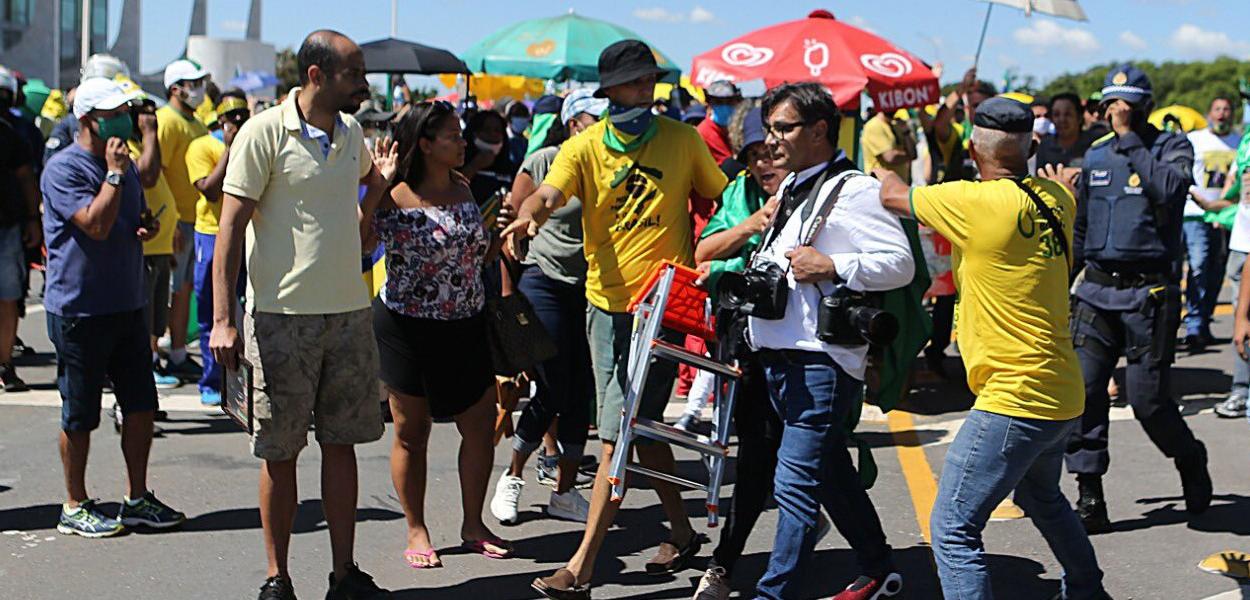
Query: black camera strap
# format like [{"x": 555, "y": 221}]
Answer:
[
  {"x": 783, "y": 213},
  {"x": 1056, "y": 227}
]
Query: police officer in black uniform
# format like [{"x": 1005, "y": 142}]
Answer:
[{"x": 1132, "y": 193}]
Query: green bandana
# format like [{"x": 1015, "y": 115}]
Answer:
[{"x": 615, "y": 143}]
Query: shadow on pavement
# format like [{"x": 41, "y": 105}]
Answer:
[
  {"x": 308, "y": 518},
  {"x": 883, "y": 439},
  {"x": 1188, "y": 382},
  {"x": 1226, "y": 515},
  {"x": 30, "y": 518}
]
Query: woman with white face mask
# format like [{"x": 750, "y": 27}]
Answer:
[{"x": 487, "y": 165}]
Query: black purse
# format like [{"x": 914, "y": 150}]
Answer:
[{"x": 518, "y": 340}]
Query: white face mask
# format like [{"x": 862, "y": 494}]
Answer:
[
  {"x": 488, "y": 147},
  {"x": 195, "y": 96}
]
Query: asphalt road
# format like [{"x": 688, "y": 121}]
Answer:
[{"x": 202, "y": 466}]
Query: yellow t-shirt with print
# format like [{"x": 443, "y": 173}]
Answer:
[
  {"x": 161, "y": 202},
  {"x": 876, "y": 139},
  {"x": 1013, "y": 294},
  {"x": 175, "y": 131},
  {"x": 202, "y": 157},
  {"x": 635, "y": 209}
]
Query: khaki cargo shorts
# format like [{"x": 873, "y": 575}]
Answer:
[{"x": 312, "y": 368}]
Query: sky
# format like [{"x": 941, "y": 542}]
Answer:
[{"x": 943, "y": 31}]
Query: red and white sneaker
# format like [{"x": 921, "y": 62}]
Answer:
[{"x": 872, "y": 588}]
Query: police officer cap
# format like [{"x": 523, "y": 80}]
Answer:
[
  {"x": 1004, "y": 114},
  {"x": 1127, "y": 83}
]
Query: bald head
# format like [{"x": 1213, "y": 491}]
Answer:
[{"x": 325, "y": 49}]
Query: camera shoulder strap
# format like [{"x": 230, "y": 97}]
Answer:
[
  {"x": 826, "y": 208},
  {"x": 1056, "y": 227}
]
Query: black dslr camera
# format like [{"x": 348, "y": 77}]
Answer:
[
  {"x": 759, "y": 292},
  {"x": 850, "y": 318}
]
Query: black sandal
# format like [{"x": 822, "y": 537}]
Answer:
[
  {"x": 671, "y": 559},
  {"x": 561, "y": 585}
]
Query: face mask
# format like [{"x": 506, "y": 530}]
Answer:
[
  {"x": 119, "y": 126},
  {"x": 219, "y": 134},
  {"x": 488, "y": 147},
  {"x": 721, "y": 114},
  {"x": 195, "y": 97},
  {"x": 1043, "y": 126},
  {"x": 1222, "y": 128},
  {"x": 519, "y": 124},
  {"x": 631, "y": 120}
]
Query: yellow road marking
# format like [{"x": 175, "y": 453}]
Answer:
[{"x": 916, "y": 470}]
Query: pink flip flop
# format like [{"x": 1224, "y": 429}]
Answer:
[
  {"x": 428, "y": 555},
  {"x": 480, "y": 547}
]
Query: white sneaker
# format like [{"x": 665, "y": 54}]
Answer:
[
  {"x": 713, "y": 586},
  {"x": 507, "y": 496},
  {"x": 570, "y": 506}
]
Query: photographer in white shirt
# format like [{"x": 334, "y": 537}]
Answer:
[{"x": 812, "y": 383}]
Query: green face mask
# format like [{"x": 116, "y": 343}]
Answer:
[{"x": 118, "y": 126}]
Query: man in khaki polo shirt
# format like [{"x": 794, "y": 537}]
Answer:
[{"x": 292, "y": 183}]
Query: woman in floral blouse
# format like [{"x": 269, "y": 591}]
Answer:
[{"x": 430, "y": 325}]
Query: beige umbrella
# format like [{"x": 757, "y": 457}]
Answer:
[{"x": 1067, "y": 9}]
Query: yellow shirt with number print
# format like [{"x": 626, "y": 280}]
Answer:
[
  {"x": 635, "y": 205},
  {"x": 1012, "y": 279}
]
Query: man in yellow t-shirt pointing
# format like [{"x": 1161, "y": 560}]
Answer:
[
  {"x": 1011, "y": 235},
  {"x": 634, "y": 173}
]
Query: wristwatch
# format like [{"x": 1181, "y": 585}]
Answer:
[{"x": 114, "y": 178}]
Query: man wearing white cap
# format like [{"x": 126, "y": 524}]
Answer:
[
  {"x": 176, "y": 127},
  {"x": 94, "y": 227}
]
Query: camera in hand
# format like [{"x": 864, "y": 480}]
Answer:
[
  {"x": 850, "y": 318},
  {"x": 759, "y": 292}
]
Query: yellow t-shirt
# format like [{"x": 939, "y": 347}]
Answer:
[
  {"x": 1013, "y": 294},
  {"x": 159, "y": 200},
  {"x": 202, "y": 157},
  {"x": 876, "y": 139},
  {"x": 175, "y": 131},
  {"x": 635, "y": 209},
  {"x": 303, "y": 242}
]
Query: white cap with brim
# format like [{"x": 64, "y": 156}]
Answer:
[
  {"x": 582, "y": 101},
  {"x": 183, "y": 70},
  {"x": 98, "y": 93}
]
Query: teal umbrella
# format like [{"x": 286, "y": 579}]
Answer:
[{"x": 560, "y": 48}]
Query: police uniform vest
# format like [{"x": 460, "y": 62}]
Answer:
[{"x": 1126, "y": 231}]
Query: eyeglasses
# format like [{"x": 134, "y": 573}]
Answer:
[{"x": 779, "y": 129}]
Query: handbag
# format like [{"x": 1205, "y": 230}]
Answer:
[{"x": 518, "y": 340}]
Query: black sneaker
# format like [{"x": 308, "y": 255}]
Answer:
[
  {"x": 547, "y": 474},
  {"x": 356, "y": 585},
  {"x": 1195, "y": 480},
  {"x": 277, "y": 588},
  {"x": 12, "y": 383},
  {"x": 188, "y": 370},
  {"x": 149, "y": 512}
]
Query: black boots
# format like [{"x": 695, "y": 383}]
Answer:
[
  {"x": 1195, "y": 480},
  {"x": 1091, "y": 507}
]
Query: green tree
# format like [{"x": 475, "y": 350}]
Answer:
[
  {"x": 286, "y": 70},
  {"x": 1192, "y": 84}
]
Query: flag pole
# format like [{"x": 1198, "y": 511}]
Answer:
[{"x": 984, "y": 27}]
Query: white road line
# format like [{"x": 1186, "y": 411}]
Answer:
[
  {"x": 52, "y": 398},
  {"x": 1240, "y": 593}
]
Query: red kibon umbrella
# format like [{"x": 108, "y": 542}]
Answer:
[{"x": 820, "y": 48}]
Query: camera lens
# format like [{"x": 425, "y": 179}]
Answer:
[{"x": 877, "y": 326}]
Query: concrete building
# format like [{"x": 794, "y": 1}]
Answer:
[{"x": 43, "y": 38}]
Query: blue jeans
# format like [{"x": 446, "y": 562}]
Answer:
[
  {"x": 1203, "y": 244},
  {"x": 813, "y": 396},
  {"x": 992, "y": 455}
]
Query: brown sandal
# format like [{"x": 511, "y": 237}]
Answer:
[
  {"x": 670, "y": 559},
  {"x": 561, "y": 585}
]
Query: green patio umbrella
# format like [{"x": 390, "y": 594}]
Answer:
[{"x": 560, "y": 48}]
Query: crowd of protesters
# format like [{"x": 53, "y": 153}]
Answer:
[{"x": 1055, "y": 234}]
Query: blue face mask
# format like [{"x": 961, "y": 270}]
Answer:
[
  {"x": 632, "y": 120},
  {"x": 219, "y": 134},
  {"x": 721, "y": 114}
]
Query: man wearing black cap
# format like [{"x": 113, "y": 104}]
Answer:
[
  {"x": 1133, "y": 187},
  {"x": 634, "y": 173},
  {"x": 1010, "y": 233}
]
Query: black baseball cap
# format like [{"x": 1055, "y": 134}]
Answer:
[
  {"x": 626, "y": 61},
  {"x": 1004, "y": 114}
]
